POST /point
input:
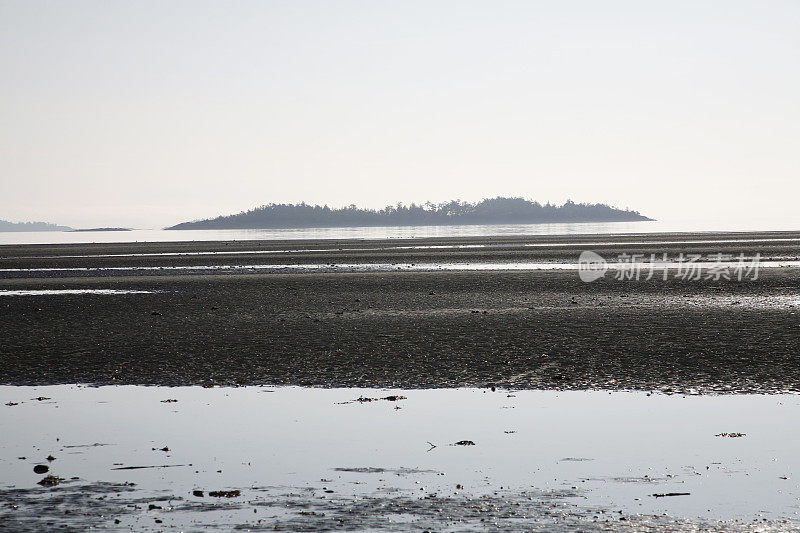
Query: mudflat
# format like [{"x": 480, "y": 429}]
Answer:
[{"x": 542, "y": 329}]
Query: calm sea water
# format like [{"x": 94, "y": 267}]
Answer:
[{"x": 392, "y": 232}]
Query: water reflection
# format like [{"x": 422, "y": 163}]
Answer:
[
  {"x": 610, "y": 451},
  {"x": 60, "y": 292},
  {"x": 388, "y": 267},
  {"x": 391, "y": 232}
]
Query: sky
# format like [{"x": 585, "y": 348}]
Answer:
[{"x": 145, "y": 114}]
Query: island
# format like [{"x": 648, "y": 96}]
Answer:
[
  {"x": 31, "y": 226},
  {"x": 498, "y": 210}
]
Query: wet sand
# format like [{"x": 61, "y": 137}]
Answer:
[
  {"x": 545, "y": 248},
  {"x": 518, "y": 329}
]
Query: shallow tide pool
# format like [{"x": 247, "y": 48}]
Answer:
[{"x": 304, "y": 458}]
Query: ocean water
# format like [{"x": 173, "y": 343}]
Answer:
[{"x": 398, "y": 232}]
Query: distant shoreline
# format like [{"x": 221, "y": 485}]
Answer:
[
  {"x": 20, "y": 227},
  {"x": 102, "y": 229}
]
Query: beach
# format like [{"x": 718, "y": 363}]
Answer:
[
  {"x": 591, "y": 382},
  {"x": 363, "y": 315}
]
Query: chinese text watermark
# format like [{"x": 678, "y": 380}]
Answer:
[{"x": 688, "y": 267}]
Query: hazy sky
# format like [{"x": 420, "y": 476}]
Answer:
[{"x": 145, "y": 113}]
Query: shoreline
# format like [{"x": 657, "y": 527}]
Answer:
[{"x": 540, "y": 248}]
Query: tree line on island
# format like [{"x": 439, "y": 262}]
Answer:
[
  {"x": 31, "y": 226},
  {"x": 489, "y": 211},
  {"x": 46, "y": 226}
]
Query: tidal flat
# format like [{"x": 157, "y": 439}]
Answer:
[
  {"x": 170, "y": 314},
  {"x": 397, "y": 384}
]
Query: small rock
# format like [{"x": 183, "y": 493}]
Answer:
[
  {"x": 198, "y": 493},
  {"x": 50, "y": 458},
  {"x": 50, "y": 481},
  {"x": 465, "y": 443},
  {"x": 41, "y": 469},
  {"x": 225, "y": 493}
]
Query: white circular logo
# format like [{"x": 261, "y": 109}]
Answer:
[{"x": 591, "y": 266}]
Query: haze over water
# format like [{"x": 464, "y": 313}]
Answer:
[
  {"x": 389, "y": 232},
  {"x": 145, "y": 114}
]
